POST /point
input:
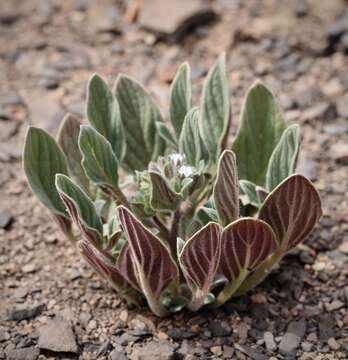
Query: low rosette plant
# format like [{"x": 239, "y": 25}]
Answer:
[{"x": 170, "y": 213}]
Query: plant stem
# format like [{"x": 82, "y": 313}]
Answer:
[{"x": 174, "y": 231}]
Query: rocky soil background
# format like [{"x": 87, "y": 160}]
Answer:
[{"x": 51, "y": 305}]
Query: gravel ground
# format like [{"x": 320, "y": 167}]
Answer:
[{"x": 51, "y": 305}]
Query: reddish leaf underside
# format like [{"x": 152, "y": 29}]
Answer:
[
  {"x": 245, "y": 244},
  {"x": 292, "y": 210},
  {"x": 90, "y": 234},
  {"x": 200, "y": 256},
  {"x": 226, "y": 189},
  {"x": 151, "y": 256},
  {"x": 101, "y": 263},
  {"x": 125, "y": 265}
]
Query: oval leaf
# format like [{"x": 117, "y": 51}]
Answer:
[
  {"x": 81, "y": 209},
  {"x": 260, "y": 129},
  {"x": 67, "y": 138},
  {"x": 292, "y": 209},
  {"x": 190, "y": 142},
  {"x": 180, "y": 97},
  {"x": 99, "y": 160},
  {"x": 226, "y": 189},
  {"x": 125, "y": 264},
  {"x": 199, "y": 261},
  {"x": 155, "y": 268},
  {"x": 42, "y": 160},
  {"x": 104, "y": 115},
  {"x": 244, "y": 245},
  {"x": 215, "y": 108},
  {"x": 283, "y": 159},
  {"x": 139, "y": 116},
  {"x": 249, "y": 193}
]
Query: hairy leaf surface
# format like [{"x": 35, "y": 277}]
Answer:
[
  {"x": 104, "y": 115},
  {"x": 126, "y": 266},
  {"x": 249, "y": 194},
  {"x": 292, "y": 209},
  {"x": 99, "y": 160},
  {"x": 67, "y": 138},
  {"x": 180, "y": 97},
  {"x": 81, "y": 209},
  {"x": 42, "y": 160},
  {"x": 139, "y": 117},
  {"x": 215, "y": 108},
  {"x": 283, "y": 159},
  {"x": 226, "y": 188},
  {"x": 260, "y": 129}
]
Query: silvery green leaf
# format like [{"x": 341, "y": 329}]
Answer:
[
  {"x": 215, "y": 109},
  {"x": 99, "y": 160},
  {"x": 206, "y": 214},
  {"x": 42, "y": 160},
  {"x": 104, "y": 115},
  {"x": 190, "y": 142},
  {"x": 81, "y": 209},
  {"x": 261, "y": 126},
  {"x": 283, "y": 159},
  {"x": 139, "y": 116},
  {"x": 249, "y": 194},
  {"x": 166, "y": 134},
  {"x": 67, "y": 138},
  {"x": 180, "y": 97},
  {"x": 226, "y": 189},
  {"x": 162, "y": 197}
]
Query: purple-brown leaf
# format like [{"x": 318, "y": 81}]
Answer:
[
  {"x": 245, "y": 244},
  {"x": 125, "y": 265},
  {"x": 200, "y": 256},
  {"x": 226, "y": 188},
  {"x": 101, "y": 264},
  {"x": 154, "y": 265},
  {"x": 292, "y": 209}
]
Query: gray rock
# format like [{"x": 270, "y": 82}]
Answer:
[
  {"x": 5, "y": 218},
  {"x": 342, "y": 106},
  {"x": 220, "y": 328},
  {"x": 57, "y": 336},
  {"x": 156, "y": 350},
  {"x": 293, "y": 336},
  {"x": 30, "y": 353},
  {"x": 173, "y": 18},
  {"x": 104, "y": 348},
  {"x": 339, "y": 152},
  {"x": 10, "y": 98},
  {"x": 252, "y": 353},
  {"x": 4, "y": 335},
  {"x": 269, "y": 341},
  {"x": 25, "y": 311},
  {"x": 117, "y": 355}
]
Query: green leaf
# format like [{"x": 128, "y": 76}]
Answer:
[
  {"x": 215, "y": 109},
  {"x": 260, "y": 129},
  {"x": 42, "y": 160},
  {"x": 67, "y": 138},
  {"x": 249, "y": 194},
  {"x": 180, "y": 97},
  {"x": 104, "y": 115},
  {"x": 226, "y": 189},
  {"x": 166, "y": 134},
  {"x": 162, "y": 197},
  {"x": 99, "y": 161},
  {"x": 190, "y": 142},
  {"x": 283, "y": 159},
  {"x": 81, "y": 209},
  {"x": 139, "y": 116}
]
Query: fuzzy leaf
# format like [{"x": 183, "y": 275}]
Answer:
[
  {"x": 125, "y": 265},
  {"x": 180, "y": 97},
  {"x": 249, "y": 193},
  {"x": 162, "y": 197},
  {"x": 292, "y": 209},
  {"x": 81, "y": 209},
  {"x": 102, "y": 264},
  {"x": 199, "y": 261},
  {"x": 226, "y": 189},
  {"x": 99, "y": 161},
  {"x": 103, "y": 113},
  {"x": 42, "y": 160},
  {"x": 245, "y": 244},
  {"x": 67, "y": 138},
  {"x": 155, "y": 268},
  {"x": 139, "y": 116},
  {"x": 166, "y": 134},
  {"x": 190, "y": 142},
  {"x": 283, "y": 159},
  {"x": 261, "y": 126},
  {"x": 215, "y": 108}
]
